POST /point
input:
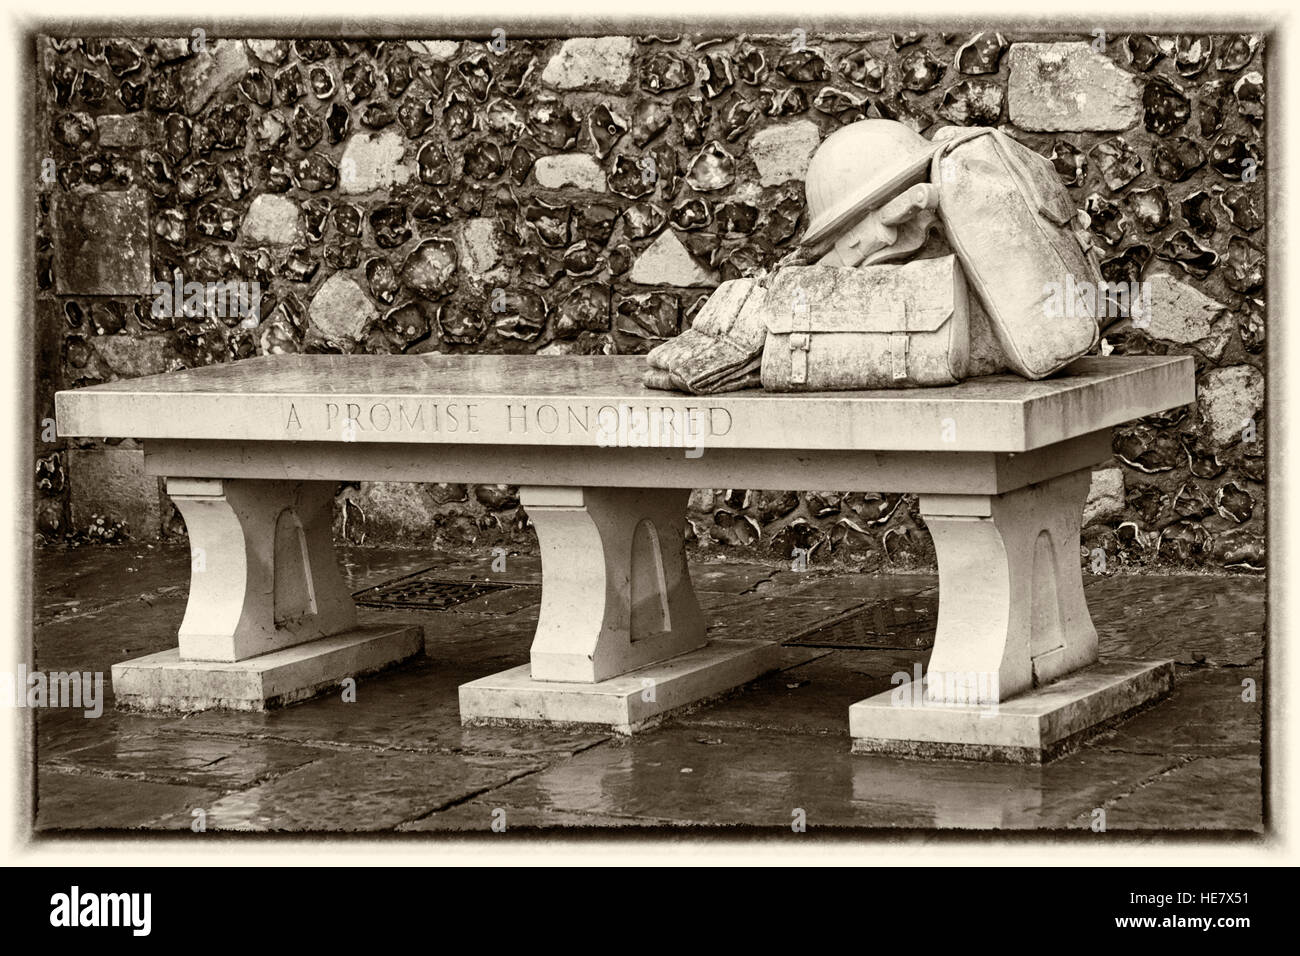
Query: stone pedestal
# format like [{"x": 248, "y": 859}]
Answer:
[
  {"x": 624, "y": 704},
  {"x": 269, "y": 620},
  {"x": 1034, "y": 727},
  {"x": 1014, "y": 674},
  {"x": 166, "y": 682}
]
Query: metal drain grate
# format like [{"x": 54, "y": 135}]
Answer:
[
  {"x": 422, "y": 591},
  {"x": 905, "y": 623}
]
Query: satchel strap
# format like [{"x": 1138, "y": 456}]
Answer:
[
  {"x": 898, "y": 340},
  {"x": 898, "y": 355},
  {"x": 800, "y": 337}
]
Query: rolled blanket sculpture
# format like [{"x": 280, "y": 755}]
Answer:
[{"x": 721, "y": 351}]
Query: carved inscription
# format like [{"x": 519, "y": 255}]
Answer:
[{"x": 610, "y": 425}]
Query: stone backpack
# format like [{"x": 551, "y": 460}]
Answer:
[
  {"x": 1008, "y": 219},
  {"x": 882, "y": 326}
]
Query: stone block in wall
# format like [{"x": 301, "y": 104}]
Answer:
[
  {"x": 1069, "y": 86},
  {"x": 341, "y": 311},
  {"x": 397, "y": 511},
  {"x": 667, "y": 262},
  {"x": 223, "y": 64},
  {"x": 133, "y": 356},
  {"x": 479, "y": 244},
  {"x": 373, "y": 161},
  {"x": 102, "y": 243},
  {"x": 127, "y": 130},
  {"x": 1183, "y": 314},
  {"x": 272, "y": 219},
  {"x": 1229, "y": 399},
  {"x": 591, "y": 63},
  {"x": 426, "y": 515},
  {"x": 1105, "y": 495},
  {"x": 111, "y": 482},
  {"x": 781, "y": 153},
  {"x": 577, "y": 170}
]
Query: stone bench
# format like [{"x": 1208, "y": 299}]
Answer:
[{"x": 251, "y": 452}]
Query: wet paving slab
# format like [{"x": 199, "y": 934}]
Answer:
[
  {"x": 862, "y": 587},
  {"x": 95, "y": 640},
  {"x": 397, "y": 757},
  {"x": 479, "y": 640},
  {"x": 362, "y": 791},
  {"x": 73, "y": 581},
  {"x": 1190, "y": 619},
  {"x": 777, "y": 617},
  {"x": 812, "y": 698},
  {"x": 220, "y": 763},
  {"x": 729, "y": 578},
  {"x": 742, "y": 777},
  {"x": 80, "y": 801},
  {"x": 61, "y": 731},
  {"x": 502, "y": 602},
  {"x": 491, "y": 565},
  {"x": 1204, "y": 794},
  {"x": 77, "y": 581},
  {"x": 413, "y": 709},
  {"x": 489, "y": 816},
  {"x": 1212, "y": 712}
]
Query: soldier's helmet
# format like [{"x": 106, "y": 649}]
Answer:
[{"x": 858, "y": 168}]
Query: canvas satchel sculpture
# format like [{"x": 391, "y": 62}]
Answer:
[{"x": 883, "y": 326}]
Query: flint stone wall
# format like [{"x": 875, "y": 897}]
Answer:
[{"x": 583, "y": 196}]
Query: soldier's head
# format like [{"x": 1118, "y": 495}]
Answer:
[{"x": 855, "y": 171}]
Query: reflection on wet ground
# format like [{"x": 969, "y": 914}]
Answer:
[{"x": 398, "y": 759}]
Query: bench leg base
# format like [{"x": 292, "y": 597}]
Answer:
[
  {"x": 1034, "y": 727},
  {"x": 625, "y": 704},
  {"x": 162, "y": 682}
]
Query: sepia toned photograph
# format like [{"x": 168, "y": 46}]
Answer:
[{"x": 691, "y": 429}]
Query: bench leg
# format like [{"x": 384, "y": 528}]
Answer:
[
  {"x": 269, "y": 618},
  {"x": 263, "y": 573},
  {"x": 1014, "y": 673},
  {"x": 616, "y": 594},
  {"x": 620, "y": 638},
  {"x": 1012, "y": 614}
]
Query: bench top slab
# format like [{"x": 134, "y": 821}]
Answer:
[{"x": 600, "y": 401}]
